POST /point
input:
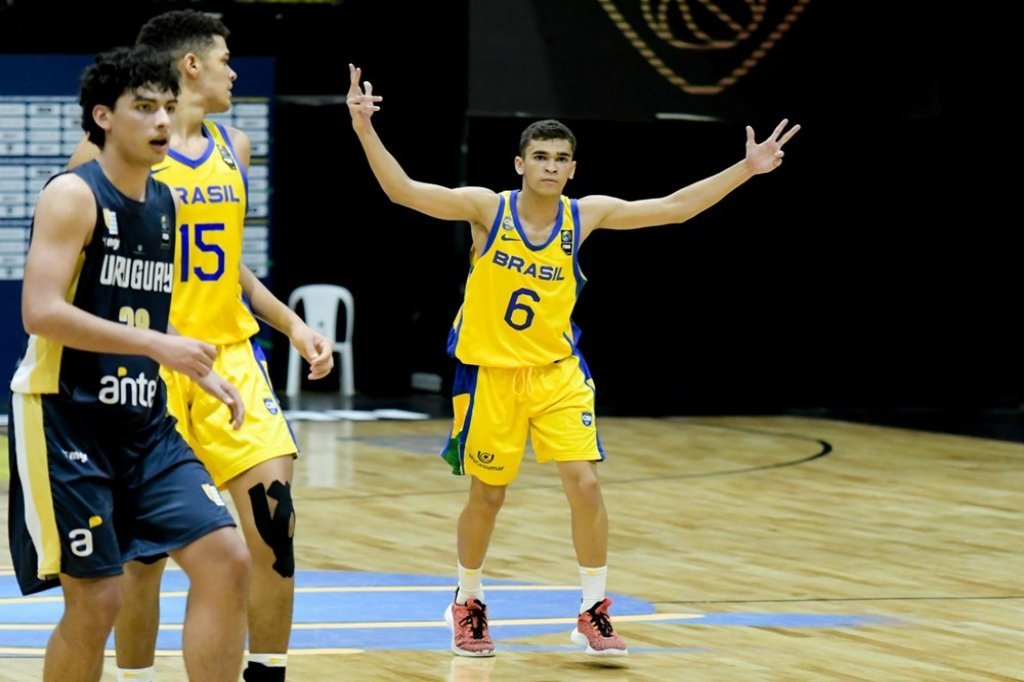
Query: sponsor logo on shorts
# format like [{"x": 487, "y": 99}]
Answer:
[
  {"x": 484, "y": 459},
  {"x": 77, "y": 456},
  {"x": 588, "y": 419},
  {"x": 271, "y": 405}
]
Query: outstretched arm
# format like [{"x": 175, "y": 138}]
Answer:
[
  {"x": 312, "y": 345},
  {"x": 619, "y": 214},
  {"x": 474, "y": 204}
]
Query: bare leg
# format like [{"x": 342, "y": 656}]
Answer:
[
  {"x": 75, "y": 650},
  {"x": 138, "y": 621},
  {"x": 271, "y": 594},
  {"x": 476, "y": 522},
  {"x": 214, "y": 638},
  {"x": 589, "y": 516}
]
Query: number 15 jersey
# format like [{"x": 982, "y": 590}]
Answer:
[{"x": 207, "y": 300}]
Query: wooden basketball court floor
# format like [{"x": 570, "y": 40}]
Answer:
[{"x": 742, "y": 548}]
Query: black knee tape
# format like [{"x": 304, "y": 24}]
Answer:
[{"x": 275, "y": 530}]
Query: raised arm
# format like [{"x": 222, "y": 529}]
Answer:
[
  {"x": 65, "y": 216},
  {"x": 474, "y": 204},
  {"x": 618, "y": 214}
]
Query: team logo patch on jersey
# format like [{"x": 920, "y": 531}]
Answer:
[
  {"x": 165, "y": 231},
  {"x": 213, "y": 494},
  {"x": 226, "y": 155},
  {"x": 110, "y": 220},
  {"x": 588, "y": 419},
  {"x": 271, "y": 405},
  {"x": 567, "y": 242},
  {"x": 506, "y": 223}
]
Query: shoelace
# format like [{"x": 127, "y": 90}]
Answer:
[
  {"x": 601, "y": 622},
  {"x": 476, "y": 621}
]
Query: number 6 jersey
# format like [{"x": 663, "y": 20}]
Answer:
[{"x": 520, "y": 296}]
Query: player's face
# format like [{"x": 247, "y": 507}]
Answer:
[
  {"x": 217, "y": 77},
  {"x": 546, "y": 166},
  {"x": 139, "y": 125}
]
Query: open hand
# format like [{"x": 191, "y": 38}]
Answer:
[
  {"x": 764, "y": 157},
  {"x": 361, "y": 105}
]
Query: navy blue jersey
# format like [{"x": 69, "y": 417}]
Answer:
[{"x": 124, "y": 274}]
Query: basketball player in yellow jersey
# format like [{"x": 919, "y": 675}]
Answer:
[
  {"x": 519, "y": 373},
  {"x": 206, "y": 168}
]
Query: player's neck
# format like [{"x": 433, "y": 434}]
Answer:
[
  {"x": 129, "y": 178},
  {"x": 537, "y": 209},
  {"x": 187, "y": 130}
]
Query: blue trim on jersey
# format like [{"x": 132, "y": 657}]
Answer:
[
  {"x": 519, "y": 227},
  {"x": 453, "y": 337},
  {"x": 466, "y": 378},
  {"x": 241, "y": 169},
  {"x": 589, "y": 380},
  {"x": 493, "y": 233},
  {"x": 581, "y": 279},
  {"x": 261, "y": 362},
  {"x": 194, "y": 163}
]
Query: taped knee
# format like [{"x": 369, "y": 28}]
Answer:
[{"x": 275, "y": 529}]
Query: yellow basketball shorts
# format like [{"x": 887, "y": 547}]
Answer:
[
  {"x": 205, "y": 422},
  {"x": 496, "y": 409}
]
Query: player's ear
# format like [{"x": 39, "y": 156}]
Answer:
[
  {"x": 519, "y": 165},
  {"x": 101, "y": 116},
  {"x": 189, "y": 64}
]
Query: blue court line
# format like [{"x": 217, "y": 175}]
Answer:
[{"x": 360, "y": 611}]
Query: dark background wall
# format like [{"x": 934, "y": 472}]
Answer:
[{"x": 878, "y": 268}]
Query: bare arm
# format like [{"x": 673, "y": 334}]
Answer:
[
  {"x": 65, "y": 216},
  {"x": 474, "y": 204},
  {"x": 618, "y": 214},
  {"x": 312, "y": 345}
]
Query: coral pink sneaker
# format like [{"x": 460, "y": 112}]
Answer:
[
  {"x": 468, "y": 623},
  {"x": 594, "y": 630}
]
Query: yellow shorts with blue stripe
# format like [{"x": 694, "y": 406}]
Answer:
[
  {"x": 205, "y": 422},
  {"x": 497, "y": 409}
]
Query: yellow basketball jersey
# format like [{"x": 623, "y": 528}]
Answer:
[
  {"x": 207, "y": 300},
  {"x": 520, "y": 296}
]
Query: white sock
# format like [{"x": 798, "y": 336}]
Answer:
[
  {"x": 270, "y": 660},
  {"x": 593, "y": 581},
  {"x": 135, "y": 674},
  {"x": 470, "y": 584}
]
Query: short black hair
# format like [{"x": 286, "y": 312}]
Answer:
[
  {"x": 548, "y": 129},
  {"x": 179, "y": 32},
  {"x": 117, "y": 71}
]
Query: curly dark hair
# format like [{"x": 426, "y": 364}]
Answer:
[
  {"x": 548, "y": 129},
  {"x": 121, "y": 70},
  {"x": 179, "y": 32}
]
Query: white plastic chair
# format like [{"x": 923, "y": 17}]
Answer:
[{"x": 320, "y": 306}]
